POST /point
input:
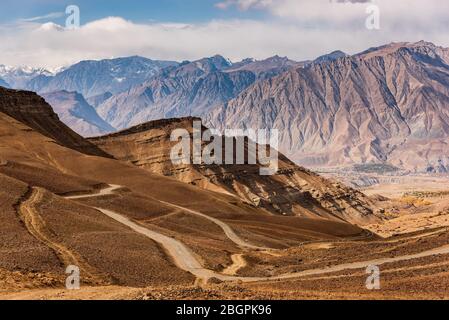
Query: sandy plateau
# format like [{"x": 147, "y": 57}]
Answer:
[{"x": 414, "y": 203}]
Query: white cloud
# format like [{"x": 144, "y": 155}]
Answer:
[
  {"x": 300, "y": 29},
  {"x": 408, "y": 11}
]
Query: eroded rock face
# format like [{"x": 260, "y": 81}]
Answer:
[
  {"x": 385, "y": 105},
  {"x": 32, "y": 110},
  {"x": 292, "y": 191}
]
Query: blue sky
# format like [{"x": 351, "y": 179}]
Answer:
[
  {"x": 192, "y": 29},
  {"x": 136, "y": 10}
]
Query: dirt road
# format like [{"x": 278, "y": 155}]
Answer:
[
  {"x": 226, "y": 228},
  {"x": 36, "y": 226},
  {"x": 238, "y": 262},
  {"x": 103, "y": 192},
  {"x": 186, "y": 260}
]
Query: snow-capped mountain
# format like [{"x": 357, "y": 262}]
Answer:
[
  {"x": 92, "y": 78},
  {"x": 18, "y": 77}
]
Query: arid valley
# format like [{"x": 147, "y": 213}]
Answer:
[
  {"x": 138, "y": 234},
  {"x": 185, "y": 155}
]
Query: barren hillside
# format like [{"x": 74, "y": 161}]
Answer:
[
  {"x": 292, "y": 191},
  {"x": 43, "y": 231}
]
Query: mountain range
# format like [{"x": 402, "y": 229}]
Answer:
[
  {"x": 132, "y": 90},
  {"x": 386, "y": 105},
  {"x": 189, "y": 89},
  {"x": 91, "y": 78}
]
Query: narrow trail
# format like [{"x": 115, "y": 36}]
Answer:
[
  {"x": 226, "y": 228},
  {"x": 238, "y": 262},
  {"x": 186, "y": 260},
  {"x": 103, "y": 192},
  {"x": 36, "y": 226},
  {"x": 182, "y": 256}
]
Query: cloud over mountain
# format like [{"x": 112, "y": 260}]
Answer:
[{"x": 300, "y": 29}]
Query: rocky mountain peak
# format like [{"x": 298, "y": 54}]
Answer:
[
  {"x": 92, "y": 77},
  {"x": 330, "y": 57}
]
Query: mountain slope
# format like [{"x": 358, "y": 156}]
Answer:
[
  {"x": 91, "y": 78},
  {"x": 76, "y": 113},
  {"x": 32, "y": 110},
  {"x": 3, "y": 83},
  {"x": 387, "y": 104},
  {"x": 24, "y": 146},
  {"x": 95, "y": 101},
  {"x": 292, "y": 191}
]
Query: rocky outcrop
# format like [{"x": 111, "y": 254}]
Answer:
[
  {"x": 292, "y": 191},
  {"x": 32, "y": 110}
]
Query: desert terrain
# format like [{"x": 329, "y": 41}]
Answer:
[
  {"x": 136, "y": 233},
  {"x": 217, "y": 150},
  {"x": 413, "y": 265}
]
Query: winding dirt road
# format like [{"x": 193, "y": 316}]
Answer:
[
  {"x": 36, "y": 226},
  {"x": 226, "y": 228},
  {"x": 186, "y": 260}
]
